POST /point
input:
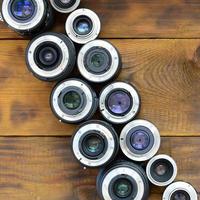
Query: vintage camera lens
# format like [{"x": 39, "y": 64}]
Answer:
[
  {"x": 83, "y": 25},
  {"x": 65, "y": 6},
  {"x": 123, "y": 180},
  {"x": 119, "y": 102},
  {"x": 180, "y": 191},
  {"x": 51, "y": 56},
  {"x": 99, "y": 61},
  {"x": 95, "y": 143},
  {"x": 161, "y": 170},
  {"x": 140, "y": 140},
  {"x": 27, "y": 17},
  {"x": 73, "y": 101}
]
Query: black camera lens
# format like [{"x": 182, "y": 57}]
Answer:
[
  {"x": 83, "y": 25},
  {"x": 161, "y": 170},
  {"x": 119, "y": 102},
  {"x": 65, "y": 6},
  {"x": 140, "y": 140},
  {"x": 73, "y": 101},
  {"x": 99, "y": 61},
  {"x": 180, "y": 191},
  {"x": 27, "y": 17},
  {"x": 51, "y": 56},
  {"x": 122, "y": 180},
  {"x": 95, "y": 143}
]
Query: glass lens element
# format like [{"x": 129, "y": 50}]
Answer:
[
  {"x": 93, "y": 144},
  {"x": 180, "y": 195},
  {"x": 23, "y": 9},
  {"x": 122, "y": 188},
  {"x": 83, "y": 25},
  {"x": 72, "y": 100},
  {"x": 97, "y": 60},
  {"x": 140, "y": 140},
  {"x": 119, "y": 102},
  {"x": 48, "y": 56},
  {"x": 161, "y": 169}
]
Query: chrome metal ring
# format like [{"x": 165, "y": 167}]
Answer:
[
  {"x": 22, "y": 26},
  {"x": 65, "y": 56},
  {"x": 133, "y": 111},
  {"x": 82, "y": 39},
  {"x": 125, "y": 171},
  {"x": 104, "y": 131},
  {"x": 148, "y": 170},
  {"x": 128, "y": 152},
  {"x": 115, "y": 61},
  {"x": 183, "y": 186}
]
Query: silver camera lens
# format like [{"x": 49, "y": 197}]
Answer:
[
  {"x": 27, "y": 17},
  {"x": 123, "y": 180},
  {"x": 161, "y": 170},
  {"x": 73, "y": 101},
  {"x": 99, "y": 61},
  {"x": 83, "y": 25},
  {"x": 140, "y": 140},
  {"x": 95, "y": 143},
  {"x": 180, "y": 191},
  {"x": 119, "y": 102},
  {"x": 65, "y": 6},
  {"x": 51, "y": 56}
]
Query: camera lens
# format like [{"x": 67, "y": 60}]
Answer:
[
  {"x": 95, "y": 143},
  {"x": 27, "y": 17},
  {"x": 99, "y": 61},
  {"x": 83, "y": 25},
  {"x": 65, "y": 6},
  {"x": 161, "y": 170},
  {"x": 123, "y": 180},
  {"x": 140, "y": 140},
  {"x": 119, "y": 102},
  {"x": 50, "y": 56},
  {"x": 180, "y": 191},
  {"x": 73, "y": 101}
]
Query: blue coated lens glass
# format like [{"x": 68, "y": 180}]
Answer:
[
  {"x": 23, "y": 9},
  {"x": 82, "y": 25}
]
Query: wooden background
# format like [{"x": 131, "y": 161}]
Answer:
[{"x": 160, "y": 45}]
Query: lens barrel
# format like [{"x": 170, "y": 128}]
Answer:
[
  {"x": 122, "y": 180},
  {"x": 180, "y": 191},
  {"x": 27, "y": 17},
  {"x": 119, "y": 102},
  {"x": 140, "y": 140},
  {"x": 65, "y": 6},
  {"x": 99, "y": 61},
  {"x": 83, "y": 25},
  {"x": 51, "y": 56},
  {"x": 95, "y": 143},
  {"x": 161, "y": 170},
  {"x": 73, "y": 101}
]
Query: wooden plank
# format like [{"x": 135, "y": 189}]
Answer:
[
  {"x": 40, "y": 168},
  {"x": 138, "y": 19},
  {"x": 166, "y": 73}
]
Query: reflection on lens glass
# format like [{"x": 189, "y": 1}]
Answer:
[
  {"x": 119, "y": 102},
  {"x": 48, "y": 56},
  {"x": 72, "y": 100},
  {"x": 180, "y": 195},
  {"x": 97, "y": 60},
  {"x": 122, "y": 188},
  {"x": 140, "y": 140},
  {"x": 161, "y": 169},
  {"x": 65, "y": 1},
  {"x": 83, "y": 25},
  {"x": 23, "y": 9},
  {"x": 94, "y": 144}
]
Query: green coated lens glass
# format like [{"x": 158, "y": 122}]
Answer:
[
  {"x": 123, "y": 188},
  {"x": 97, "y": 60},
  {"x": 94, "y": 144},
  {"x": 72, "y": 100}
]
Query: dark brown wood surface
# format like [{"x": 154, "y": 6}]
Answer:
[{"x": 160, "y": 45}]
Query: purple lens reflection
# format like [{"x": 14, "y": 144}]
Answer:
[
  {"x": 119, "y": 102},
  {"x": 140, "y": 140}
]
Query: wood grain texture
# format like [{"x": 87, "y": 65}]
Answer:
[
  {"x": 36, "y": 168},
  {"x": 138, "y": 19},
  {"x": 165, "y": 72}
]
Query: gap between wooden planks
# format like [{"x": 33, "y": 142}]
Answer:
[{"x": 165, "y": 72}]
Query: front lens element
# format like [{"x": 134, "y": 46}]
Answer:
[
  {"x": 23, "y": 9},
  {"x": 140, "y": 140},
  {"x": 72, "y": 100},
  {"x": 82, "y": 25},
  {"x": 119, "y": 102},
  {"x": 180, "y": 195},
  {"x": 122, "y": 188}
]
